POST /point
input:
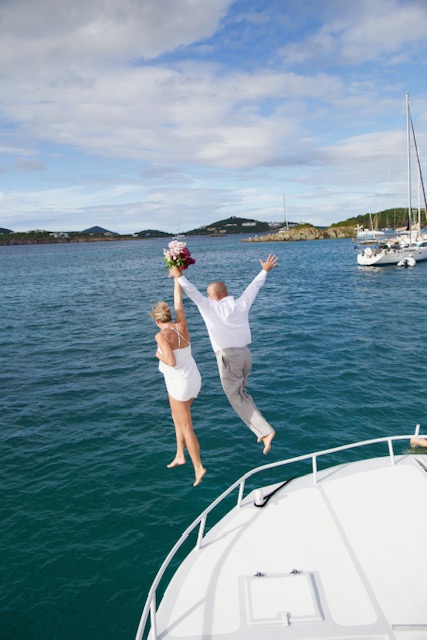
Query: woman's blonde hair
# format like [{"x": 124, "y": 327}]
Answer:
[{"x": 161, "y": 312}]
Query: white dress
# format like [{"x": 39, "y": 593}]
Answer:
[{"x": 183, "y": 381}]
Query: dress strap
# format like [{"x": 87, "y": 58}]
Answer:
[
  {"x": 174, "y": 328},
  {"x": 179, "y": 337}
]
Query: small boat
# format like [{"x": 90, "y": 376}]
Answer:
[
  {"x": 407, "y": 262},
  {"x": 411, "y": 244},
  {"x": 337, "y": 553}
]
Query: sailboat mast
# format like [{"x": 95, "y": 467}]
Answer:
[
  {"x": 284, "y": 213},
  {"x": 419, "y": 191},
  {"x": 408, "y": 145},
  {"x": 420, "y": 173}
]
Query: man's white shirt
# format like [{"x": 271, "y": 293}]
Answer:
[{"x": 227, "y": 320}]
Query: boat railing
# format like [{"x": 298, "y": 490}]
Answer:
[{"x": 151, "y": 606}]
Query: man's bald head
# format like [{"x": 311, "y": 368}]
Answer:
[{"x": 217, "y": 291}]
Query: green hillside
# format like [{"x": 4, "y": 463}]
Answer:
[
  {"x": 231, "y": 225},
  {"x": 388, "y": 219},
  {"x": 152, "y": 233}
]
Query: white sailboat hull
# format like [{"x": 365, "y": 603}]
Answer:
[
  {"x": 411, "y": 245},
  {"x": 377, "y": 258}
]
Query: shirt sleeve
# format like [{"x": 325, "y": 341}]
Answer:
[
  {"x": 192, "y": 292},
  {"x": 251, "y": 291}
]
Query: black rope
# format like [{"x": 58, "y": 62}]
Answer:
[
  {"x": 422, "y": 465},
  {"x": 270, "y": 495}
]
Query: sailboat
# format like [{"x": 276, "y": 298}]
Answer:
[
  {"x": 406, "y": 247},
  {"x": 285, "y": 217},
  {"x": 179, "y": 236}
]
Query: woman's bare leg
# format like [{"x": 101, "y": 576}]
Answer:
[
  {"x": 181, "y": 412},
  {"x": 180, "y": 446},
  {"x": 180, "y": 443}
]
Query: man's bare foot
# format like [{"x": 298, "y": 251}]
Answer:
[
  {"x": 177, "y": 462},
  {"x": 418, "y": 442},
  {"x": 199, "y": 475},
  {"x": 267, "y": 441}
]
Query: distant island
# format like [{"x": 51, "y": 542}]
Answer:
[
  {"x": 270, "y": 231},
  {"x": 228, "y": 226},
  {"x": 304, "y": 232}
]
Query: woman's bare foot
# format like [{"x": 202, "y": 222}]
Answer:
[
  {"x": 177, "y": 462},
  {"x": 418, "y": 442},
  {"x": 199, "y": 475},
  {"x": 267, "y": 441}
]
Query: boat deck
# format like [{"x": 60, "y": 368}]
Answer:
[{"x": 341, "y": 559}]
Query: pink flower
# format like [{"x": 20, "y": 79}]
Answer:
[{"x": 178, "y": 255}]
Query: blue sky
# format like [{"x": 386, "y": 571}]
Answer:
[{"x": 171, "y": 114}]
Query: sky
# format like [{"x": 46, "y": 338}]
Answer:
[{"x": 173, "y": 114}]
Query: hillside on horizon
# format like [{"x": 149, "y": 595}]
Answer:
[
  {"x": 227, "y": 226},
  {"x": 387, "y": 219}
]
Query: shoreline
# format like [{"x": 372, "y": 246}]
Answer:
[
  {"x": 308, "y": 233},
  {"x": 297, "y": 234},
  {"x": 26, "y": 241}
]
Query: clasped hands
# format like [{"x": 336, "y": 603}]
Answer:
[{"x": 175, "y": 272}]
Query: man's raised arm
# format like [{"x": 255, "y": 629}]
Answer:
[
  {"x": 252, "y": 289},
  {"x": 192, "y": 292}
]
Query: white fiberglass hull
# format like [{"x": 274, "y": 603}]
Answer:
[
  {"x": 333, "y": 556},
  {"x": 381, "y": 257}
]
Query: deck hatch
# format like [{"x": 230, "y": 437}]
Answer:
[{"x": 282, "y": 599}]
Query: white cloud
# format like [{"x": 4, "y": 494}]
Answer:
[
  {"x": 159, "y": 114},
  {"x": 136, "y": 111},
  {"x": 30, "y": 164},
  {"x": 56, "y": 30},
  {"x": 363, "y": 31}
]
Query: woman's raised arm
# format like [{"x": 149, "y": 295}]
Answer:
[{"x": 177, "y": 301}]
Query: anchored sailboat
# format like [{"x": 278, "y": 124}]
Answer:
[{"x": 408, "y": 246}]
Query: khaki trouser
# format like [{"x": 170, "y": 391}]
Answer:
[{"x": 234, "y": 365}]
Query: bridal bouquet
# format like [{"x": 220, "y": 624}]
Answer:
[{"x": 177, "y": 255}]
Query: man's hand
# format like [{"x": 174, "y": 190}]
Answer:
[
  {"x": 272, "y": 261},
  {"x": 174, "y": 272}
]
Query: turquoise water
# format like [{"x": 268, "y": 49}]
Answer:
[{"x": 88, "y": 508}]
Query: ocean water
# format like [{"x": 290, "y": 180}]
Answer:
[{"x": 88, "y": 508}]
